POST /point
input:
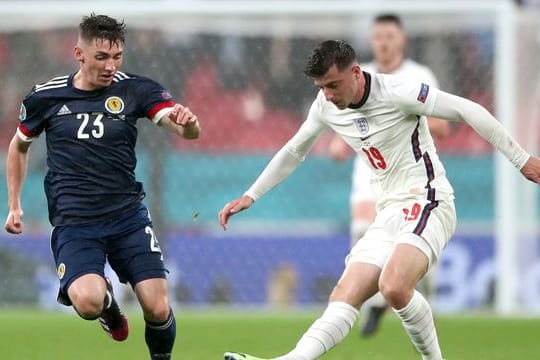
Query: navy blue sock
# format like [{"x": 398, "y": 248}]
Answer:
[{"x": 160, "y": 337}]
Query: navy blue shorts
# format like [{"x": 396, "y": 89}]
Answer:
[{"x": 128, "y": 243}]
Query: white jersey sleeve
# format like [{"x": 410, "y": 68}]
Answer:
[
  {"x": 291, "y": 155},
  {"x": 421, "y": 99},
  {"x": 452, "y": 107},
  {"x": 411, "y": 96}
]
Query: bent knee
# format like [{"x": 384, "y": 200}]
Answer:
[
  {"x": 395, "y": 293},
  {"x": 158, "y": 310},
  {"x": 88, "y": 307},
  {"x": 88, "y": 298}
]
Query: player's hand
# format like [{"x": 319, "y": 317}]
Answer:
[
  {"x": 232, "y": 208},
  {"x": 531, "y": 169},
  {"x": 181, "y": 115},
  {"x": 14, "y": 224},
  {"x": 338, "y": 149}
]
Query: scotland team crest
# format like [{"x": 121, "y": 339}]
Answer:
[
  {"x": 61, "y": 270},
  {"x": 362, "y": 125},
  {"x": 114, "y": 105}
]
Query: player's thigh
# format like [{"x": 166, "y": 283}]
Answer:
[
  {"x": 357, "y": 284},
  {"x": 405, "y": 266},
  {"x": 377, "y": 243},
  {"x": 136, "y": 256},
  {"x": 77, "y": 252}
]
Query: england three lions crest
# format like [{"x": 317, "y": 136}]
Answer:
[{"x": 362, "y": 125}]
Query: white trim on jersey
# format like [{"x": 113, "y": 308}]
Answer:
[
  {"x": 54, "y": 81},
  {"x": 52, "y": 87},
  {"x": 119, "y": 76},
  {"x": 24, "y": 137},
  {"x": 160, "y": 114},
  {"x": 122, "y": 74}
]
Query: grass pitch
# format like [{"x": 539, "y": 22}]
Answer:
[{"x": 205, "y": 335}]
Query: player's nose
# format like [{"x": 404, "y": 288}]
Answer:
[
  {"x": 110, "y": 66},
  {"x": 329, "y": 96}
]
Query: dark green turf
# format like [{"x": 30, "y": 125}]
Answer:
[{"x": 205, "y": 335}]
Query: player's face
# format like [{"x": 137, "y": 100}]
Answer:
[
  {"x": 340, "y": 87},
  {"x": 99, "y": 61},
  {"x": 387, "y": 42}
]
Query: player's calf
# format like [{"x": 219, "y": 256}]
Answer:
[{"x": 160, "y": 337}]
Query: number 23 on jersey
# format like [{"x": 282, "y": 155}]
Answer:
[{"x": 96, "y": 130}]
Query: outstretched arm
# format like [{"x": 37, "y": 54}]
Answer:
[
  {"x": 16, "y": 164},
  {"x": 280, "y": 167},
  {"x": 448, "y": 106}
]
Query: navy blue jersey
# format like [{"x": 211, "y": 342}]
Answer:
[{"x": 91, "y": 138}]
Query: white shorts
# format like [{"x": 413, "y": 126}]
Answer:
[
  {"x": 364, "y": 188},
  {"x": 427, "y": 225}
]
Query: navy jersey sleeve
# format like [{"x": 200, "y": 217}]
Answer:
[
  {"x": 154, "y": 100},
  {"x": 31, "y": 117}
]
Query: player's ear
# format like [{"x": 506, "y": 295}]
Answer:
[
  {"x": 77, "y": 51},
  {"x": 356, "y": 70}
]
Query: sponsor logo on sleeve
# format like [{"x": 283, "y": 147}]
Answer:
[
  {"x": 166, "y": 95},
  {"x": 423, "y": 94},
  {"x": 114, "y": 105},
  {"x": 22, "y": 113}
]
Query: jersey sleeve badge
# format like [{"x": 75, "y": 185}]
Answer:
[
  {"x": 423, "y": 94},
  {"x": 166, "y": 95},
  {"x": 22, "y": 113}
]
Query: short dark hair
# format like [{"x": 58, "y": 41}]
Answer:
[
  {"x": 388, "y": 18},
  {"x": 328, "y": 53},
  {"x": 102, "y": 27}
]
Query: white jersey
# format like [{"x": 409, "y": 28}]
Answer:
[
  {"x": 364, "y": 187},
  {"x": 389, "y": 134},
  {"x": 387, "y": 129}
]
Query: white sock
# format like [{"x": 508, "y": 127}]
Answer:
[
  {"x": 376, "y": 300},
  {"x": 418, "y": 322},
  {"x": 325, "y": 333}
]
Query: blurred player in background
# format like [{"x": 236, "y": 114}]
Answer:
[
  {"x": 382, "y": 117},
  {"x": 387, "y": 41},
  {"x": 95, "y": 203}
]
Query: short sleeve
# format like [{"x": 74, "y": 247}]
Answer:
[
  {"x": 31, "y": 117},
  {"x": 155, "y": 100},
  {"x": 411, "y": 96}
]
